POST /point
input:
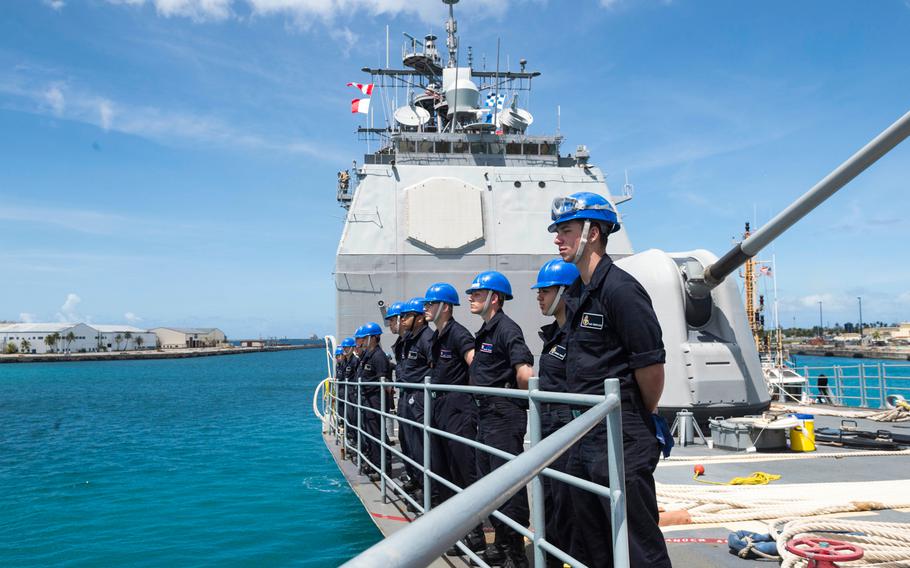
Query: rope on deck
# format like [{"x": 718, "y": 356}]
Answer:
[{"x": 885, "y": 544}]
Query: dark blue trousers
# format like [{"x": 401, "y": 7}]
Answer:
[
  {"x": 592, "y": 537},
  {"x": 502, "y": 424},
  {"x": 557, "y": 498},
  {"x": 455, "y": 413}
]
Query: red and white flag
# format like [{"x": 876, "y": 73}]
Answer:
[
  {"x": 360, "y": 105},
  {"x": 366, "y": 89},
  {"x": 766, "y": 270}
]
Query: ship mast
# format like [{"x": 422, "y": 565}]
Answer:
[{"x": 752, "y": 310}]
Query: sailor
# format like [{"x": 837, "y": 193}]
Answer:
[
  {"x": 452, "y": 350},
  {"x": 501, "y": 360},
  {"x": 393, "y": 320},
  {"x": 373, "y": 368},
  {"x": 410, "y": 401},
  {"x": 347, "y": 374},
  {"x": 554, "y": 277},
  {"x": 612, "y": 331}
]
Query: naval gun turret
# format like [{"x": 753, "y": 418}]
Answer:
[{"x": 713, "y": 366}]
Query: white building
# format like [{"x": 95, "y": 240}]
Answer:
[
  {"x": 181, "y": 338},
  {"x": 66, "y": 337},
  {"x": 125, "y": 337}
]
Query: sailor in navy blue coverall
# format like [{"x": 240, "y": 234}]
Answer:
[
  {"x": 612, "y": 332},
  {"x": 501, "y": 360}
]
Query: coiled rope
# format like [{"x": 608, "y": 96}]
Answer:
[
  {"x": 737, "y": 503},
  {"x": 885, "y": 544},
  {"x": 900, "y": 413},
  {"x": 756, "y": 478}
]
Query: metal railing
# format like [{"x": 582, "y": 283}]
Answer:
[
  {"x": 865, "y": 385},
  {"x": 439, "y": 528}
]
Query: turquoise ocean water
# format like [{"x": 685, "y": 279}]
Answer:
[
  {"x": 881, "y": 377},
  {"x": 215, "y": 461}
]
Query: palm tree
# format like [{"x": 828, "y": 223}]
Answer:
[
  {"x": 10, "y": 348},
  {"x": 128, "y": 335},
  {"x": 139, "y": 342},
  {"x": 70, "y": 338},
  {"x": 99, "y": 338},
  {"x": 25, "y": 346},
  {"x": 50, "y": 340},
  {"x": 118, "y": 339}
]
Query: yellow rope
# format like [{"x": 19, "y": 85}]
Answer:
[{"x": 757, "y": 478}]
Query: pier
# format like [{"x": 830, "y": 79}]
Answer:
[
  {"x": 851, "y": 352},
  {"x": 145, "y": 354}
]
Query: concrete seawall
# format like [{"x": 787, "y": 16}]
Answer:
[
  {"x": 145, "y": 354},
  {"x": 850, "y": 352}
]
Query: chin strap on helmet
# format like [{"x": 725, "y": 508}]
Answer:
[
  {"x": 552, "y": 309},
  {"x": 438, "y": 313},
  {"x": 486, "y": 304},
  {"x": 582, "y": 241}
]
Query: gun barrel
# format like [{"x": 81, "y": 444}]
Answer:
[{"x": 852, "y": 167}]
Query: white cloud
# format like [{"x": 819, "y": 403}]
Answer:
[
  {"x": 105, "y": 114},
  {"x": 304, "y": 12},
  {"x": 608, "y": 3},
  {"x": 69, "y": 310},
  {"x": 170, "y": 127},
  {"x": 55, "y": 99},
  {"x": 55, "y": 4},
  {"x": 130, "y": 317},
  {"x": 26, "y": 317}
]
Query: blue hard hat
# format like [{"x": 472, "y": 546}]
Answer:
[
  {"x": 394, "y": 310},
  {"x": 339, "y": 351},
  {"x": 348, "y": 342},
  {"x": 442, "y": 292},
  {"x": 491, "y": 280},
  {"x": 556, "y": 272},
  {"x": 413, "y": 306},
  {"x": 368, "y": 329},
  {"x": 583, "y": 205}
]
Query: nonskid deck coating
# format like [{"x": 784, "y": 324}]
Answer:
[{"x": 704, "y": 545}]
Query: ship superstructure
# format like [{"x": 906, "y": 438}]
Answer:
[{"x": 456, "y": 185}]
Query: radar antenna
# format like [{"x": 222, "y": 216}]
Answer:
[{"x": 451, "y": 28}]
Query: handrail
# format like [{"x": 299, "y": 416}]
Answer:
[
  {"x": 608, "y": 405},
  {"x": 441, "y": 527}
]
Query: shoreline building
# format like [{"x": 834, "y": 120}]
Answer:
[
  {"x": 193, "y": 337},
  {"x": 130, "y": 337},
  {"x": 48, "y": 337}
]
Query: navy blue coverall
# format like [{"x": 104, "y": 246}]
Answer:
[
  {"x": 410, "y": 401},
  {"x": 375, "y": 364},
  {"x": 453, "y": 412},
  {"x": 502, "y": 422},
  {"x": 612, "y": 331},
  {"x": 553, "y": 416}
]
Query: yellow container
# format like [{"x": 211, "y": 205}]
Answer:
[{"x": 802, "y": 437}]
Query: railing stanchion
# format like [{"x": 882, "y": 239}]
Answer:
[
  {"x": 538, "y": 511},
  {"x": 881, "y": 386},
  {"x": 617, "y": 480},
  {"x": 839, "y": 382},
  {"x": 862, "y": 385},
  {"x": 427, "y": 415},
  {"x": 382, "y": 439},
  {"x": 359, "y": 416}
]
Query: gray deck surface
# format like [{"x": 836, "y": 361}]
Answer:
[
  {"x": 812, "y": 469},
  {"x": 682, "y": 541}
]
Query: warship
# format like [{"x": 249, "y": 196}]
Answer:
[{"x": 455, "y": 183}]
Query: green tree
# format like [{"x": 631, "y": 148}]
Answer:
[
  {"x": 118, "y": 339},
  {"x": 127, "y": 336},
  {"x": 10, "y": 348},
  {"x": 50, "y": 340},
  {"x": 25, "y": 346},
  {"x": 70, "y": 338},
  {"x": 139, "y": 342}
]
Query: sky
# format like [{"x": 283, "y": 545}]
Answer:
[{"x": 172, "y": 162}]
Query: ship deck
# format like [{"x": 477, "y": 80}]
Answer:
[{"x": 704, "y": 545}]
